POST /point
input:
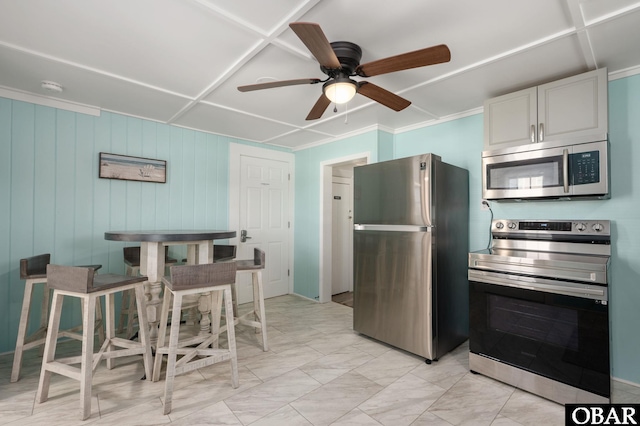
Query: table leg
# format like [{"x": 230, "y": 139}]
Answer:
[
  {"x": 204, "y": 254},
  {"x": 152, "y": 265}
]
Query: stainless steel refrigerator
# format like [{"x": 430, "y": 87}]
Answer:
[{"x": 411, "y": 242}]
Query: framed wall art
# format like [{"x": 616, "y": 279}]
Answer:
[{"x": 124, "y": 167}]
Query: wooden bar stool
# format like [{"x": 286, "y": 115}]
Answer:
[
  {"x": 221, "y": 253},
  {"x": 132, "y": 269},
  {"x": 84, "y": 284},
  {"x": 255, "y": 318},
  {"x": 212, "y": 278},
  {"x": 33, "y": 270}
]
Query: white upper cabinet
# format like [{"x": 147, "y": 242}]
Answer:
[{"x": 571, "y": 109}]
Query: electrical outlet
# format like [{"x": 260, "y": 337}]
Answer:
[{"x": 484, "y": 205}]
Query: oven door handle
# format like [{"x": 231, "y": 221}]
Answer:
[{"x": 530, "y": 283}]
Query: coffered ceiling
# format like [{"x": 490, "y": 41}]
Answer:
[{"x": 181, "y": 61}]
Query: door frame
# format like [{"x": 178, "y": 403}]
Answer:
[
  {"x": 236, "y": 151},
  {"x": 326, "y": 220}
]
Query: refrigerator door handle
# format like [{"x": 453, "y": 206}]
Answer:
[{"x": 393, "y": 228}]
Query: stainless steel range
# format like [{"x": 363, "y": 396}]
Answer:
[{"x": 539, "y": 315}]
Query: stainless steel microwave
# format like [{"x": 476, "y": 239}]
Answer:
[{"x": 547, "y": 171}]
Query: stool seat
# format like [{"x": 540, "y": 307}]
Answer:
[
  {"x": 82, "y": 280},
  {"x": 84, "y": 284},
  {"x": 33, "y": 270},
  {"x": 214, "y": 279}
]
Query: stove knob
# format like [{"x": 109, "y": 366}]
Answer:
[
  {"x": 597, "y": 227},
  {"x": 511, "y": 225},
  {"x": 499, "y": 225},
  {"x": 581, "y": 227}
]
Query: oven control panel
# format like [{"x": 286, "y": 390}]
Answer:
[{"x": 552, "y": 227}]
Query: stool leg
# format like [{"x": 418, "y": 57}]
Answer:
[
  {"x": 86, "y": 369},
  {"x": 231, "y": 336},
  {"x": 22, "y": 330},
  {"x": 258, "y": 306},
  {"x": 143, "y": 335},
  {"x": 99, "y": 322},
  {"x": 124, "y": 303},
  {"x": 50, "y": 347},
  {"x": 172, "y": 356},
  {"x": 44, "y": 313},
  {"x": 216, "y": 315},
  {"x": 162, "y": 332},
  {"x": 234, "y": 295},
  {"x": 109, "y": 326},
  {"x": 131, "y": 312}
]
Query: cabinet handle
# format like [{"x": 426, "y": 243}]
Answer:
[
  {"x": 533, "y": 133},
  {"x": 541, "y": 133},
  {"x": 565, "y": 170}
]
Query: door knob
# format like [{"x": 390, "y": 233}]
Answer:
[{"x": 243, "y": 236}]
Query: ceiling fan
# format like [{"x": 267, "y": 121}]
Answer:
[{"x": 340, "y": 61}]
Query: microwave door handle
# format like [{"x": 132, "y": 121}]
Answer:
[
  {"x": 533, "y": 133},
  {"x": 565, "y": 170}
]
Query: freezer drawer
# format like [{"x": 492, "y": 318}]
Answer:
[{"x": 392, "y": 288}]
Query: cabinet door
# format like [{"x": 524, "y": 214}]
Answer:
[
  {"x": 510, "y": 119},
  {"x": 573, "y": 107}
]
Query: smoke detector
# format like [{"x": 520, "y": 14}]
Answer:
[{"x": 51, "y": 86}]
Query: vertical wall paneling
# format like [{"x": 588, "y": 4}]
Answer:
[
  {"x": 65, "y": 209},
  {"x": 163, "y": 152},
  {"x": 84, "y": 189},
  {"x": 22, "y": 181},
  {"x": 200, "y": 179},
  {"x": 54, "y": 201},
  {"x": 189, "y": 177},
  {"x": 45, "y": 172},
  {"x": 101, "y": 199},
  {"x": 135, "y": 218},
  {"x": 117, "y": 188},
  {"x": 148, "y": 194},
  {"x": 6, "y": 297}
]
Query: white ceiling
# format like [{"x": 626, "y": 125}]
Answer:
[{"x": 180, "y": 61}]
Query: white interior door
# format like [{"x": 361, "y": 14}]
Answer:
[
  {"x": 341, "y": 239},
  {"x": 263, "y": 214}
]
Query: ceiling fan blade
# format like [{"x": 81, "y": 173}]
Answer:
[
  {"x": 313, "y": 37},
  {"x": 383, "y": 96},
  {"x": 281, "y": 83},
  {"x": 418, "y": 58},
  {"x": 318, "y": 109}
]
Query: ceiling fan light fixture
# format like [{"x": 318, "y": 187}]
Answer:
[{"x": 340, "y": 90}]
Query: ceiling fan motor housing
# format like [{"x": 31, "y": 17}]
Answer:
[{"x": 348, "y": 54}]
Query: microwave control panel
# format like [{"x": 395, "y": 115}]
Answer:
[{"x": 585, "y": 167}]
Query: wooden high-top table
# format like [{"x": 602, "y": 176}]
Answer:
[{"x": 199, "y": 250}]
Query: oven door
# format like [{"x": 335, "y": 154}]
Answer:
[{"x": 559, "y": 336}]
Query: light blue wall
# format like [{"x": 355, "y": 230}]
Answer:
[
  {"x": 457, "y": 142},
  {"x": 307, "y": 206},
  {"x": 52, "y": 200}
]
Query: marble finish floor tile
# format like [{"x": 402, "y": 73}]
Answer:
[
  {"x": 403, "y": 401},
  {"x": 317, "y": 371},
  {"x": 342, "y": 394}
]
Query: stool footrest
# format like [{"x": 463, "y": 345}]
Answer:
[{"x": 63, "y": 368}]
